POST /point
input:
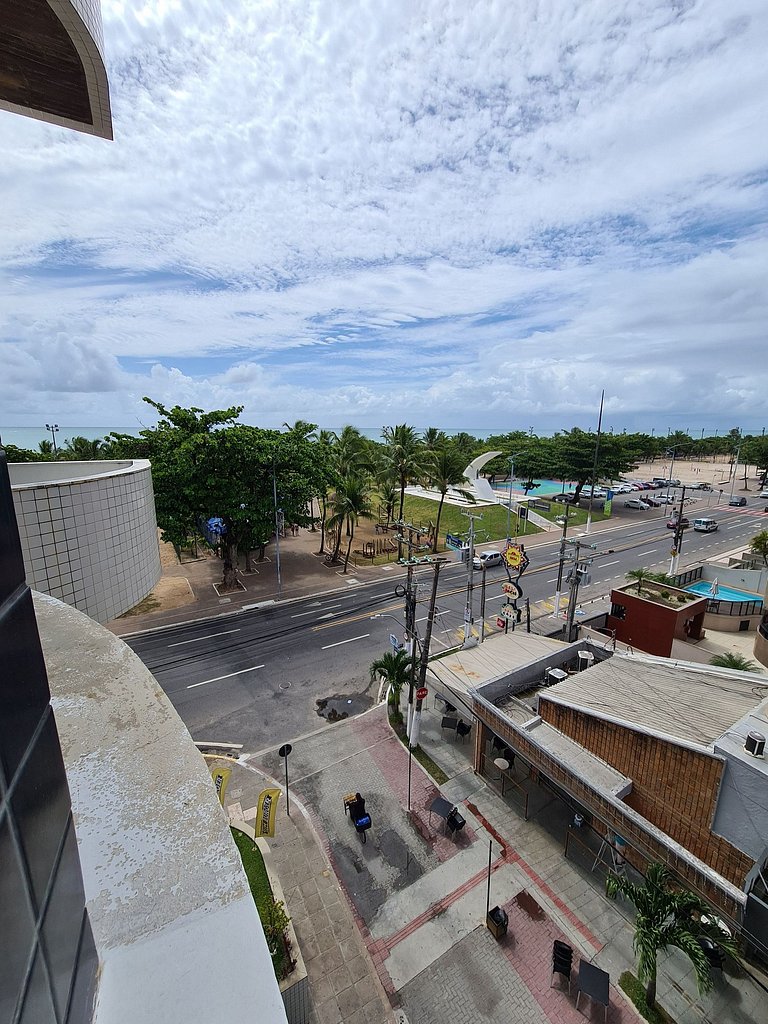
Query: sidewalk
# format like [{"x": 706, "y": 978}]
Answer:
[{"x": 418, "y": 897}]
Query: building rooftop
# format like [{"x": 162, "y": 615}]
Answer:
[
  {"x": 463, "y": 670},
  {"x": 677, "y": 700}
]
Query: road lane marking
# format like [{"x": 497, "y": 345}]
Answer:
[
  {"x": 210, "y": 636},
  {"x": 604, "y": 565},
  {"x": 340, "y": 642},
  {"x": 315, "y": 610},
  {"x": 227, "y": 676},
  {"x": 652, "y": 551},
  {"x": 553, "y": 580}
]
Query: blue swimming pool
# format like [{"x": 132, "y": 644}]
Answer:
[
  {"x": 545, "y": 487},
  {"x": 723, "y": 593}
]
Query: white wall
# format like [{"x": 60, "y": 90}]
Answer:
[{"x": 88, "y": 532}]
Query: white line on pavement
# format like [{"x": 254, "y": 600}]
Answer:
[
  {"x": 651, "y": 552},
  {"x": 604, "y": 565},
  {"x": 553, "y": 580},
  {"x": 227, "y": 676},
  {"x": 314, "y": 611},
  {"x": 209, "y": 636},
  {"x": 340, "y": 642}
]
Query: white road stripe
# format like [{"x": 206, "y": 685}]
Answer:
[
  {"x": 227, "y": 676},
  {"x": 209, "y": 636},
  {"x": 651, "y": 552},
  {"x": 604, "y": 565},
  {"x": 340, "y": 642}
]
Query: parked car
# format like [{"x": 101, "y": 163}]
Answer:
[
  {"x": 636, "y": 503},
  {"x": 704, "y": 525},
  {"x": 675, "y": 521},
  {"x": 627, "y": 489},
  {"x": 763, "y": 494},
  {"x": 738, "y": 502},
  {"x": 703, "y": 487},
  {"x": 562, "y": 497},
  {"x": 654, "y": 502},
  {"x": 487, "y": 559}
]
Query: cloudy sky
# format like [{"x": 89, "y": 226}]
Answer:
[{"x": 468, "y": 215}]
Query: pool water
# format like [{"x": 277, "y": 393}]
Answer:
[
  {"x": 545, "y": 487},
  {"x": 723, "y": 593}
]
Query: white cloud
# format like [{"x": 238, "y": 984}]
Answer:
[{"x": 439, "y": 212}]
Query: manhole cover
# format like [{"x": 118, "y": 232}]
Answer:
[{"x": 284, "y": 686}]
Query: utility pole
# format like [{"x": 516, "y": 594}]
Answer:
[
  {"x": 482, "y": 605},
  {"x": 558, "y": 589},
  {"x": 677, "y": 542},
  {"x": 735, "y": 470},
  {"x": 594, "y": 464},
  {"x": 413, "y": 739},
  {"x": 469, "y": 640},
  {"x": 579, "y": 574},
  {"x": 277, "y": 533},
  {"x": 409, "y": 597}
]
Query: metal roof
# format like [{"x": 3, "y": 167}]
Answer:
[
  {"x": 683, "y": 701},
  {"x": 463, "y": 669}
]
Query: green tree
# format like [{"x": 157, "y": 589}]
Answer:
[
  {"x": 14, "y": 454},
  {"x": 46, "y": 449},
  {"x": 404, "y": 456},
  {"x": 735, "y": 661},
  {"x": 759, "y": 545},
  {"x": 641, "y": 575},
  {"x": 668, "y": 917},
  {"x": 83, "y": 449},
  {"x": 206, "y": 465},
  {"x": 395, "y": 668},
  {"x": 445, "y": 471},
  {"x": 755, "y": 453},
  {"x": 351, "y": 502},
  {"x": 570, "y": 456}
]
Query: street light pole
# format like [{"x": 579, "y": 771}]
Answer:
[
  {"x": 735, "y": 471},
  {"x": 277, "y": 533},
  {"x": 594, "y": 464},
  {"x": 509, "y": 496},
  {"x": 53, "y": 427}
]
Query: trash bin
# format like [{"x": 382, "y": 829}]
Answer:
[{"x": 496, "y": 922}]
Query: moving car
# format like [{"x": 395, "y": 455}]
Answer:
[
  {"x": 738, "y": 502},
  {"x": 487, "y": 559},
  {"x": 654, "y": 502},
  {"x": 763, "y": 494},
  {"x": 704, "y": 525},
  {"x": 672, "y": 524},
  {"x": 636, "y": 503}
]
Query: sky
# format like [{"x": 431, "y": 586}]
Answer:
[{"x": 464, "y": 215}]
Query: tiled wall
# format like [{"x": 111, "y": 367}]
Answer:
[
  {"x": 93, "y": 542},
  {"x": 47, "y": 956}
]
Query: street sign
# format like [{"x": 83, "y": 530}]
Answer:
[
  {"x": 285, "y": 750},
  {"x": 422, "y": 693},
  {"x": 455, "y": 543},
  {"x": 396, "y": 645}
]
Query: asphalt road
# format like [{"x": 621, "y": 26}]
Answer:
[{"x": 255, "y": 677}]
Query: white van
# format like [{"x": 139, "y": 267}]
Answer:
[{"x": 704, "y": 525}]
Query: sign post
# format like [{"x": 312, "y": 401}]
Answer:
[{"x": 284, "y": 751}]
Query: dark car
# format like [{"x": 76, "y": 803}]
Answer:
[
  {"x": 672, "y": 524},
  {"x": 737, "y": 502}
]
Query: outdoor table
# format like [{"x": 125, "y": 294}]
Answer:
[
  {"x": 449, "y": 723},
  {"x": 595, "y": 983},
  {"x": 503, "y": 765},
  {"x": 441, "y": 807}
]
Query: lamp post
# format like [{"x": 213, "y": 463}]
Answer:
[
  {"x": 53, "y": 427},
  {"x": 509, "y": 498}
]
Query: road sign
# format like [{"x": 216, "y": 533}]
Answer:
[
  {"x": 285, "y": 750},
  {"x": 396, "y": 645},
  {"x": 455, "y": 543},
  {"x": 422, "y": 693}
]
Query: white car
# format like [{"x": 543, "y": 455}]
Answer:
[
  {"x": 763, "y": 494},
  {"x": 622, "y": 489},
  {"x": 636, "y": 503},
  {"x": 486, "y": 559}
]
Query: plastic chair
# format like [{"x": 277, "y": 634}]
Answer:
[{"x": 562, "y": 961}]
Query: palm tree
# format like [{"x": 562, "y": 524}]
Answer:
[
  {"x": 735, "y": 661},
  {"x": 668, "y": 917},
  {"x": 82, "y": 449},
  {"x": 446, "y": 471},
  {"x": 759, "y": 545},
  {"x": 404, "y": 454},
  {"x": 642, "y": 576},
  {"x": 394, "y": 667},
  {"x": 351, "y": 501},
  {"x": 433, "y": 438}
]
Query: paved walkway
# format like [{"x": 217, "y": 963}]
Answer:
[{"x": 411, "y": 902}]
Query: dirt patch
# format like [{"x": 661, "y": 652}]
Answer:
[{"x": 170, "y": 592}]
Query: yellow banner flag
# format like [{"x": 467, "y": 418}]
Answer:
[
  {"x": 220, "y": 778},
  {"x": 266, "y": 811}
]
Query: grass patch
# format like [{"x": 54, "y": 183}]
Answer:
[
  {"x": 421, "y": 511},
  {"x": 258, "y": 880},
  {"x": 437, "y": 773},
  {"x": 636, "y": 992}
]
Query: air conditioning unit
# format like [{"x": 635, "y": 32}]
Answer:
[{"x": 755, "y": 744}]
